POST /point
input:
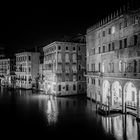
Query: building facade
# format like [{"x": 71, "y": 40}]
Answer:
[
  {"x": 27, "y": 69},
  {"x": 113, "y": 61},
  {"x": 64, "y": 67},
  {"x": 7, "y": 71}
]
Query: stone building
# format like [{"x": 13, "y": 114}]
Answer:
[
  {"x": 7, "y": 71},
  {"x": 113, "y": 61},
  {"x": 27, "y": 69},
  {"x": 64, "y": 67}
]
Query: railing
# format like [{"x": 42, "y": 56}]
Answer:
[{"x": 94, "y": 73}]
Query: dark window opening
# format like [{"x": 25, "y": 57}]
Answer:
[{"x": 125, "y": 43}]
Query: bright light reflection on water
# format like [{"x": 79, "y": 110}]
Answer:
[{"x": 72, "y": 116}]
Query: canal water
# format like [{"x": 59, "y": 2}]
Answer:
[{"x": 24, "y": 114}]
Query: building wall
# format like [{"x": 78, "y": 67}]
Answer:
[
  {"x": 115, "y": 45},
  {"x": 64, "y": 69}
]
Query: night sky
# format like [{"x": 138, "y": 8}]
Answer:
[{"x": 25, "y": 25}]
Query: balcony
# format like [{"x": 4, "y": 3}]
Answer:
[{"x": 94, "y": 73}]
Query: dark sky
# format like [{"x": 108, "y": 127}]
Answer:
[{"x": 24, "y": 25}]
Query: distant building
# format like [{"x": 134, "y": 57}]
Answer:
[
  {"x": 27, "y": 69},
  {"x": 7, "y": 73},
  {"x": 113, "y": 61},
  {"x": 64, "y": 67}
]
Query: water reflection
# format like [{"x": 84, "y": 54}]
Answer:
[
  {"x": 48, "y": 105},
  {"x": 121, "y": 126},
  {"x": 74, "y": 115}
]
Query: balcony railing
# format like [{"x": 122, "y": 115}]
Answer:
[{"x": 94, "y": 73}]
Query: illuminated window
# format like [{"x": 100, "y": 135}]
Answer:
[
  {"x": 113, "y": 30},
  {"x": 103, "y": 67},
  {"x": 120, "y": 65}
]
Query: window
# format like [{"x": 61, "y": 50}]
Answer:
[
  {"x": 74, "y": 87},
  {"x": 99, "y": 65},
  {"x": 113, "y": 46},
  {"x": 99, "y": 82},
  {"x": 79, "y": 48},
  {"x": 113, "y": 30},
  {"x": 103, "y": 33},
  {"x": 79, "y": 77},
  {"x": 125, "y": 23},
  {"x": 120, "y": 65},
  {"x": 74, "y": 49},
  {"x": 29, "y": 69},
  {"x": 135, "y": 40},
  {"x": 92, "y": 67},
  {"x": 59, "y": 88},
  {"x": 103, "y": 67},
  {"x": 125, "y": 43},
  {"x": 74, "y": 57},
  {"x": 120, "y": 25},
  {"x": 67, "y": 87},
  {"x": 29, "y": 57},
  {"x": 135, "y": 66},
  {"x": 67, "y": 48},
  {"x": 124, "y": 66},
  {"x": 79, "y": 87},
  {"x": 92, "y": 81},
  {"x": 99, "y": 49},
  {"x": 133, "y": 96},
  {"x": 109, "y": 31},
  {"x": 103, "y": 49},
  {"x": 79, "y": 67},
  {"x": 109, "y": 47},
  {"x": 120, "y": 44},
  {"x": 59, "y": 47},
  {"x": 112, "y": 67}
]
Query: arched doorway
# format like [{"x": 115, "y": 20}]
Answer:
[
  {"x": 106, "y": 93},
  {"x": 116, "y": 94},
  {"x": 130, "y": 95}
]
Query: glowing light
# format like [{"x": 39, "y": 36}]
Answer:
[{"x": 113, "y": 30}]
